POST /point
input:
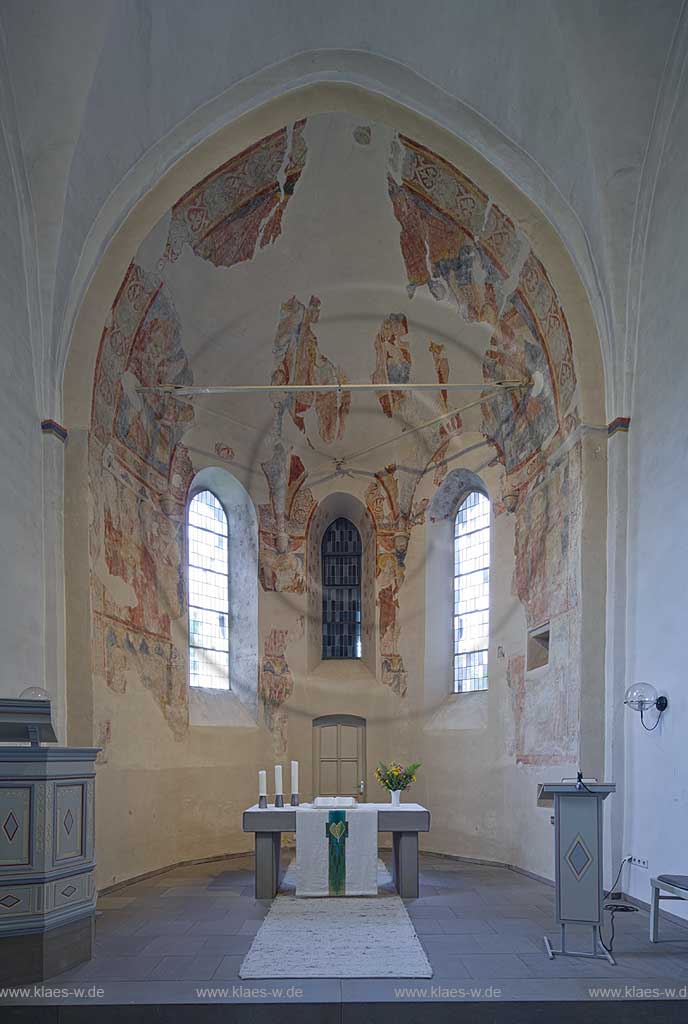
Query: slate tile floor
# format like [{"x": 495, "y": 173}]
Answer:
[{"x": 157, "y": 940}]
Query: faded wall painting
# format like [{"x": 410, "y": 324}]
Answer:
[
  {"x": 140, "y": 472},
  {"x": 241, "y": 204},
  {"x": 268, "y": 316},
  {"x": 456, "y": 242},
  {"x": 140, "y": 469},
  {"x": 276, "y": 683},
  {"x": 283, "y": 523}
]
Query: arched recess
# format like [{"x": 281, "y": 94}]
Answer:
[
  {"x": 330, "y": 508},
  {"x": 147, "y": 195},
  {"x": 228, "y": 707},
  {"x": 472, "y": 709},
  {"x": 112, "y": 280}
]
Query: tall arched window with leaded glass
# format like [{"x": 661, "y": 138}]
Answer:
[
  {"x": 471, "y": 593},
  {"x": 341, "y": 590},
  {"x": 208, "y": 568}
]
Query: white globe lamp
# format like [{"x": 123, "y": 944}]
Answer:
[{"x": 34, "y": 693}]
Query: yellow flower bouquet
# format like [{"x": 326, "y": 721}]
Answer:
[{"x": 394, "y": 777}]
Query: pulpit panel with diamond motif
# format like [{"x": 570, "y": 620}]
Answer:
[
  {"x": 579, "y": 851},
  {"x": 578, "y": 848}
]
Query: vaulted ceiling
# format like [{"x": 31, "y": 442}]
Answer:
[{"x": 560, "y": 96}]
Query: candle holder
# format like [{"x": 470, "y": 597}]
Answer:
[
  {"x": 279, "y": 800},
  {"x": 263, "y": 802},
  {"x": 295, "y": 800}
]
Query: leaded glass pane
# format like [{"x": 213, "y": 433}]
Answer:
[
  {"x": 208, "y": 567},
  {"x": 471, "y": 593},
  {"x": 209, "y": 668},
  {"x": 341, "y": 590}
]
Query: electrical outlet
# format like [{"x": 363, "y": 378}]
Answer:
[{"x": 639, "y": 862}]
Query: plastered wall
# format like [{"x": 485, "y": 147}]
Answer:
[
  {"x": 655, "y": 764},
  {"x": 328, "y": 251},
  {"x": 86, "y": 147},
  {"x": 22, "y": 608}
]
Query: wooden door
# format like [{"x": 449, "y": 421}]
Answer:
[{"x": 339, "y": 767}]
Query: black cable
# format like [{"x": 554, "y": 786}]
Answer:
[
  {"x": 615, "y": 908},
  {"x": 581, "y": 785},
  {"x": 650, "y": 728},
  {"x": 618, "y": 876}
]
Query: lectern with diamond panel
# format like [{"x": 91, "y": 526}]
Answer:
[{"x": 578, "y": 859}]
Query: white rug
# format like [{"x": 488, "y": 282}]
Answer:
[{"x": 337, "y": 937}]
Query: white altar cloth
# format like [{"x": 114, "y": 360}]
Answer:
[{"x": 313, "y": 848}]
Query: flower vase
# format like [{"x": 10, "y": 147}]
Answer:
[{"x": 396, "y": 797}]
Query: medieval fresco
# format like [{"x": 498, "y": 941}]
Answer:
[
  {"x": 224, "y": 451},
  {"x": 242, "y": 203},
  {"x": 276, "y": 683},
  {"x": 392, "y": 361},
  {"x": 140, "y": 473},
  {"x": 515, "y": 421},
  {"x": 391, "y": 497},
  {"x": 298, "y": 360},
  {"x": 141, "y": 345},
  {"x": 547, "y": 529},
  {"x": 447, "y": 235},
  {"x": 453, "y": 238},
  {"x": 460, "y": 245},
  {"x": 441, "y": 363},
  {"x": 140, "y": 469},
  {"x": 282, "y": 523}
]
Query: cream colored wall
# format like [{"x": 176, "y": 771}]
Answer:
[
  {"x": 86, "y": 159},
  {"x": 167, "y": 797}
]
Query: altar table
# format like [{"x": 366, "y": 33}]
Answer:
[{"x": 404, "y": 822}]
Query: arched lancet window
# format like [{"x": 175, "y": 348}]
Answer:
[
  {"x": 341, "y": 590},
  {"x": 208, "y": 540},
  {"x": 471, "y": 593}
]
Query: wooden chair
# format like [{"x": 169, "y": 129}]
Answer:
[{"x": 677, "y": 888}]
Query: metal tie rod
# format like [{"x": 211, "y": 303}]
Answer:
[{"x": 226, "y": 389}]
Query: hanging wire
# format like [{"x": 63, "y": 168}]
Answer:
[
  {"x": 489, "y": 392},
  {"x": 650, "y": 728},
  {"x": 413, "y": 430},
  {"x": 614, "y": 908}
]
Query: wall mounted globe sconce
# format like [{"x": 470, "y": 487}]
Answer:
[
  {"x": 643, "y": 696},
  {"x": 34, "y": 693}
]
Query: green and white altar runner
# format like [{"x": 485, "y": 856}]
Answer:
[{"x": 336, "y": 851}]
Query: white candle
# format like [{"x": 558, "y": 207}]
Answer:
[
  {"x": 262, "y": 783},
  {"x": 278, "y": 780},
  {"x": 295, "y": 776}
]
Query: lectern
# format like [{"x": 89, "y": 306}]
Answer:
[
  {"x": 578, "y": 859},
  {"x": 47, "y": 888}
]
